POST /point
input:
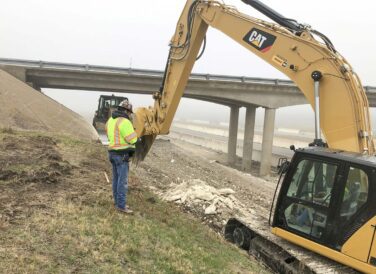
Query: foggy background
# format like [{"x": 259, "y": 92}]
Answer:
[{"x": 136, "y": 34}]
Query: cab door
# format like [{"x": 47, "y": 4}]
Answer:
[
  {"x": 356, "y": 222},
  {"x": 305, "y": 206}
]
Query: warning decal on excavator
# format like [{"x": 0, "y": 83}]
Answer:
[{"x": 259, "y": 39}]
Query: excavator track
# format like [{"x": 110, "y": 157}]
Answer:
[{"x": 278, "y": 254}]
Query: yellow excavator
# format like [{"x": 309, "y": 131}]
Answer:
[{"x": 325, "y": 199}]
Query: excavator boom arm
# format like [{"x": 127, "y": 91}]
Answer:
[{"x": 291, "y": 48}]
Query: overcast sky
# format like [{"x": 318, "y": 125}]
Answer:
[{"x": 136, "y": 33}]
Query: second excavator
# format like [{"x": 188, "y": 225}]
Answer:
[{"x": 325, "y": 199}]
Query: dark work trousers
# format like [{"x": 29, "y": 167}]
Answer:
[{"x": 120, "y": 168}]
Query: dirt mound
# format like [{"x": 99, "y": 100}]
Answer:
[
  {"x": 37, "y": 169},
  {"x": 38, "y": 153},
  {"x": 22, "y": 107},
  {"x": 27, "y": 163}
]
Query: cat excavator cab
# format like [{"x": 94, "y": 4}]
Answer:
[{"x": 325, "y": 194}]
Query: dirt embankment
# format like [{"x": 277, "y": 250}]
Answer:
[
  {"x": 37, "y": 169},
  {"x": 57, "y": 216},
  {"x": 56, "y": 210},
  {"x": 22, "y": 107}
]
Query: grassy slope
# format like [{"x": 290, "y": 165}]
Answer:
[{"x": 79, "y": 231}]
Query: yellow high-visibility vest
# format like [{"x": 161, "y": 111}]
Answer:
[{"x": 121, "y": 134}]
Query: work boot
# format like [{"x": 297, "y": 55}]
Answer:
[{"x": 125, "y": 210}]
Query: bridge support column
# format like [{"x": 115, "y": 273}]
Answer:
[
  {"x": 267, "y": 141},
  {"x": 249, "y": 132},
  {"x": 232, "y": 135},
  {"x": 36, "y": 87}
]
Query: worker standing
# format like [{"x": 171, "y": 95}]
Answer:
[{"x": 122, "y": 139}]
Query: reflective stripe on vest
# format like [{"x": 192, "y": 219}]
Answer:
[
  {"x": 130, "y": 137},
  {"x": 117, "y": 131},
  {"x": 114, "y": 129}
]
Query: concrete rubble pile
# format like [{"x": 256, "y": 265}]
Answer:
[{"x": 196, "y": 192}]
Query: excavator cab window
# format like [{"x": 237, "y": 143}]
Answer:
[
  {"x": 309, "y": 196},
  {"x": 355, "y": 194}
]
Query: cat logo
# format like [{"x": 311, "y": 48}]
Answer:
[{"x": 259, "y": 39}]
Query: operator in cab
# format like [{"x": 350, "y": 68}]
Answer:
[{"x": 122, "y": 145}]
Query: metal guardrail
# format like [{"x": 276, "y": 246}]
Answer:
[
  {"x": 370, "y": 89},
  {"x": 147, "y": 72},
  {"x": 133, "y": 71}
]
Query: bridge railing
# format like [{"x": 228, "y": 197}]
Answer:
[
  {"x": 133, "y": 71},
  {"x": 146, "y": 72}
]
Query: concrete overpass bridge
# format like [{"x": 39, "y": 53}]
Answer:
[{"x": 231, "y": 91}]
